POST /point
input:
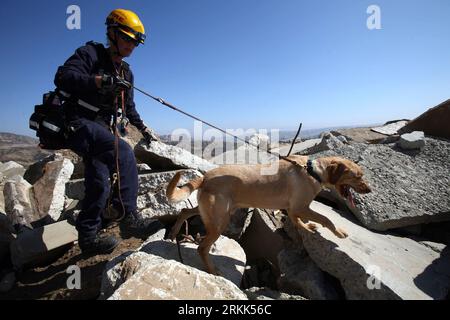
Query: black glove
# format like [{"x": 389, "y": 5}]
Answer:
[
  {"x": 114, "y": 84},
  {"x": 149, "y": 135}
]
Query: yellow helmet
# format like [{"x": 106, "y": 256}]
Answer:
[{"x": 127, "y": 22}]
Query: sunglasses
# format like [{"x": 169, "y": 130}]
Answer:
[{"x": 127, "y": 38}]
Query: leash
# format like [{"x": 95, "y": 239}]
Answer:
[
  {"x": 293, "y": 141},
  {"x": 186, "y": 235},
  {"x": 115, "y": 181},
  {"x": 167, "y": 104}
]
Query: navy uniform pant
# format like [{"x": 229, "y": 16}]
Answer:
[{"x": 95, "y": 144}]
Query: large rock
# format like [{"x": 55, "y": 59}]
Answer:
[
  {"x": 50, "y": 189},
  {"x": 297, "y": 148},
  {"x": 152, "y": 201},
  {"x": 37, "y": 170},
  {"x": 122, "y": 267},
  {"x": 10, "y": 169},
  {"x": 38, "y": 245},
  {"x": 226, "y": 254},
  {"x": 171, "y": 280},
  {"x": 300, "y": 276},
  {"x": 406, "y": 189},
  {"x": 378, "y": 266},
  {"x": 166, "y": 157},
  {"x": 359, "y": 135},
  {"x": 433, "y": 122},
  {"x": 391, "y": 128},
  {"x": 328, "y": 142},
  {"x": 412, "y": 141},
  {"x": 77, "y": 161},
  {"x": 7, "y": 171},
  {"x": 41, "y": 203},
  {"x": 18, "y": 203},
  {"x": 161, "y": 279}
]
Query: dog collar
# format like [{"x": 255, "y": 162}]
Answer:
[{"x": 312, "y": 173}]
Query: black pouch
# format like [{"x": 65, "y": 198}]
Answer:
[{"x": 48, "y": 120}]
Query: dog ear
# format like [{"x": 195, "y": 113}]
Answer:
[{"x": 335, "y": 171}]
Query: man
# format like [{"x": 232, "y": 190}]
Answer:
[{"x": 101, "y": 106}]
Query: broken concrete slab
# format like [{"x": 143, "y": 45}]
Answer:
[
  {"x": 391, "y": 128},
  {"x": 406, "y": 189},
  {"x": 152, "y": 201},
  {"x": 434, "y": 122},
  {"x": 297, "y": 148},
  {"x": 122, "y": 267},
  {"x": 7, "y": 171},
  {"x": 301, "y": 276},
  {"x": 157, "y": 251},
  {"x": 38, "y": 245},
  {"x": 328, "y": 142},
  {"x": 18, "y": 203},
  {"x": 359, "y": 135},
  {"x": 226, "y": 254},
  {"x": 166, "y": 157},
  {"x": 376, "y": 265},
  {"x": 36, "y": 170},
  {"x": 10, "y": 169},
  {"x": 150, "y": 277},
  {"x": 50, "y": 189},
  {"x": 412, "y": 141}
]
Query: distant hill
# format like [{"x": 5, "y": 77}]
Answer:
[{"x": 21, "y": 149}]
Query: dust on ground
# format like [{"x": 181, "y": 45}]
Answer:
[{"x": 50, "y": 281}]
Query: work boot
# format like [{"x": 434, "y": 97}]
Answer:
[
  {"x": 133, "y": 227},
  {"x": 103, "y": 244}
]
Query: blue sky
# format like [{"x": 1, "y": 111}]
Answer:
[{"x": 245, "y": 63}]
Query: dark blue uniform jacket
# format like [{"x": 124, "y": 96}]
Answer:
[{"x": 77, "y": 77}]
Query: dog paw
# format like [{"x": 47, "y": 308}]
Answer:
[
  {"x": 312, "y": 227},
  {"x": 341, "y": 233}
]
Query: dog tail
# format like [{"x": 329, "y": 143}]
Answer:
[{"x": 175, "y": 194}]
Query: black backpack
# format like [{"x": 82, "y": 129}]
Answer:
[{"x": 49, "y": 122}]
